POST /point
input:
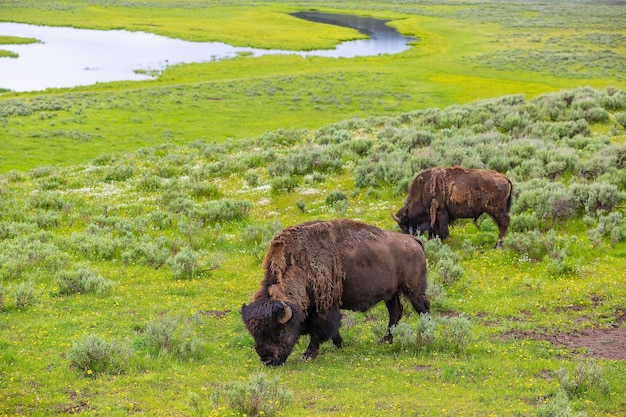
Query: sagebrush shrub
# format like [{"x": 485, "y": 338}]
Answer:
[
  {"x": 93, "y": 355},
  {"x": 587, "y": 376},
  {"x": 184, "y": 264},
  {"x": 530, "y": 244},
  {"x": 48, "y": 200},
  {"x": 206, "y": 190},
  {"x": 256, "y": 397},
  {"x": 611, "y": 225},
  {"x": 25, "y": 295},
  {"x": 284, "y": 183},
  {"x": 335, "y": 197},
  {"x": 252, "y": 178},
  {"x": 454, "y": 333},
  {"x": 224, "y": 210},
  {"x": 82, "y": 281},
  {"x": 558, "y": 406},
  {"x": 449, "y": 270},
  {"x": 261, "y": 234},
  {"x": 148, "y": 251},
  {"x": 425, "y": 330}
]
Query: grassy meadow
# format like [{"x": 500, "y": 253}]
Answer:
[{"x": 134, "y": 215}]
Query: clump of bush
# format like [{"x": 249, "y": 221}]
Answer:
[
  {"x": 175, "y": 337},
  {"x": 260, "y": 235},
  {"x": 220, "y": 211},
  {"x": 93, "y": 355},
  {"x": 587, "y": 377},
  {"x": 444, "y": 261},
  {"x": 25, "y": 295},
  {"x": 610, "y": 225},
  {"x": 284, "y": 183},
  {"x": 558, "y": 406},
  {"x": 148, "y": 251},
  {"x": 82, "y": 281},
  {"x": 439, "y": 333},
  {"x": 256, "y": 397}
]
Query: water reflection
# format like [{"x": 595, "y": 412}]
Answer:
[{"x": 70, "y": 57}]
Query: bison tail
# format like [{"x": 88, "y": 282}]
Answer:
[{"x": 509, "y": 199}]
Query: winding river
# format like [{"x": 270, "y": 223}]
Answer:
[{"x": 69, "y": 57}]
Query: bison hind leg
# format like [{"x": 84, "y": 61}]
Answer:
[{"x": 394, "y": 306}]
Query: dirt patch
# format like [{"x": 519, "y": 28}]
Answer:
[{"x": 601, "y": 343}]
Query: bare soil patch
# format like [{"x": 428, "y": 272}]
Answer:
[{"x": 600, "y": 343}]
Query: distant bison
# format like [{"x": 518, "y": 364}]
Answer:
[
  {"x": 439, "y": 196},
  {"x": 314, "y": 269}
]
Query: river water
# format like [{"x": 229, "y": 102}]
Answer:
[{"x": 69, "y": 57}]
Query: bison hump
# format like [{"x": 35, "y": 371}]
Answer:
[{"x": 303, "y": 266}]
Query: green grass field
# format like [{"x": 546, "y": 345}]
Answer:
[{"x": 134, "y": 215}]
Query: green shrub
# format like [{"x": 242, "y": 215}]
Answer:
[
  {"x": 284, "y": 183},
  {"x": 148, "y": 251},
  {"x": 47, "y": 200},
  {"x": 449, "y": 270},
  {"x": 221, "y": 211},
  {"x": 93, "y": 355},
  {"x": 175, "y": 337},
  {"x": 259, "y": 396},
  {"x": 524, "y": 222},
  {"x": 97, "y": 247},
  {"x": 587, "y": 376},
  {"x": 184, "y": 264},
  {"x": 260, "y": 235},
  {"x": 453, "y": 333},
  {"x": 252, "y": 178},
  {"x": 558, "y": 406},
  {"x": 549, "y": 201},
  {"x": 202, "y": 189},
  {"x": 611, "y": 225},
  {"x": 336, "y": 197},
  {"x": 82, "y": 281},
  {"x": 120, "y": 172},
  {"x": 440, "y": 333},
  {"x": 530, "y": 244},
  {"x": 425, "y": 330},
  {"x": 25, "y": 295}
]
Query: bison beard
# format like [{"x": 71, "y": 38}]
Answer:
[
  {"x": 439, "y": 196},
  {"x": 315, "y": 269}
]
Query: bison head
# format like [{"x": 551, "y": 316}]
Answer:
[
  {"x": 412, "y": 225},
  {"x": 275, "y": 326}
]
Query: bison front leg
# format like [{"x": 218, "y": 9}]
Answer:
[
  {"x": 321, "y": 329},
  {"x": 394, "y": 306},
  {"x": 313, "y": 348}
]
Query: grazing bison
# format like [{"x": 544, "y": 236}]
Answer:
[
  {"x": 439, "y": 196},
  {"x": 314, "y": 269}
]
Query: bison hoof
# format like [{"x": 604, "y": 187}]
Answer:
[
  {"x": 338, "y": 342},
  {"x": 309, "y": 355},
  {"x": 387, "y": 339}
]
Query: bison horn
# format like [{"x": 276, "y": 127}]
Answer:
[
  {"x": 396, "y": 218},
  {"x": 288, "y": 313}
]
